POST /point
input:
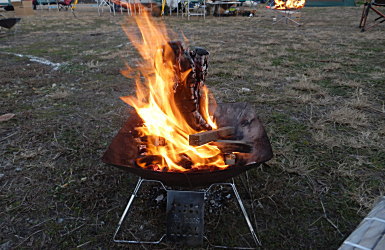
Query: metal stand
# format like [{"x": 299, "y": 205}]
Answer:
[
  {"x": 199, "y": 9},
  {"x": 288, "y": 16},
  {"x": 102, "y": 3},
  {"x": 244, "y": 212},
  {"x": 133, "y": 195},
  {"x": 365, "y": 13},
  {"x": 136, "y": 190}
]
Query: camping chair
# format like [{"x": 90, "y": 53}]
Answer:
[
  {"x": 370, "y": 5},
  {"x": 41, "y": 3},
  {"x": 7, "y": 5},
  {"x": 125, "y": 5},
  {"x": 193, "y": 8},
  {"x": 8, "y": 23},
  {"x": 105, "y": 3},
  {"x": 67, "y": 4},
  {"x": 170, "y": 6},
  {"x": 136, "y": 7}
]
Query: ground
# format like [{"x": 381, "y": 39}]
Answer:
[{"x": 318, "y": 89}]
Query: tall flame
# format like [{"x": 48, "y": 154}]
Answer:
[
  {"x": 155, "y": 104},
  {"x": 288, "y": 4}
]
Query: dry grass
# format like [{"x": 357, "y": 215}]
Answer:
[
  {"x": 348, "y": 116},
  {"x": 319, "y": 90}
]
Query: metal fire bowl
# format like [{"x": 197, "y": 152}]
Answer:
[{"x": 123, "y": 149}]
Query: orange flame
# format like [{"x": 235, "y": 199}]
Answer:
[
  {"x": 288, "y": 4},
  {"x": 155, "y": 104}
]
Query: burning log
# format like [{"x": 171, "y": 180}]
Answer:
[
  {"x": 212, "y": 135},
  {"x": 150, "y": 161},
  {"x": 154, "y": 140},
  {"x": 187, "y": 87},
  {"x": 185, "y": 161},
  {"x": 288, "y": 4},
  {"x": 229, "y": 146}
]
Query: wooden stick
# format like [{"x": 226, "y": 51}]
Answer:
[
  {"x": 208, "y": 136},
  {"x": 229, "y": 146}
]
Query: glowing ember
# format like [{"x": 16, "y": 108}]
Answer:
[
  {"x": 289, "y": 4},
  {"x": 165, "y": 125}
]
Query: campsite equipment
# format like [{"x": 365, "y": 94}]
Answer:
[
  {"x": 372, "y": 5},
  {"x": 67, "y": 4},
  {"x": 103, "y": 3},
  {"x": 9, "y": 22},
  {"x": 286, "y": 10},
  {"x": 185, "y": 216},
  {"x": 6, "y": 22},
  {"x": 132, "y": 6},
  {"x": 370, "y": 233},
  {"x": 23, "y": 8},
  {"x": 329, "y": 3},
  {"x": 7, "y": 5},
  {"x": 125, "y": 149},
  {"x": 39, "y": 4},
  {"x": 167, "y": 7},
  {"x": 186, "y": 226},
  {"x": 184, "y": 148},
  {"x": 225, "y": 8},
  {"x": 193, "y": 8}
]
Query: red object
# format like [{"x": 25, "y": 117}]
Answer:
[
  {"x": 365, "y": 12},
  {"x": 65, "y": 2}
]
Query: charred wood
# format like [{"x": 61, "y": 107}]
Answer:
[
  {"x": 212, "y": 135},
  {"x": 154, "y": 140},
  {"x": 185, "y": 161},
  {"x": 187, "y": 89},
  {"x": 228, "y": 146},
  {"x": 150, "y": 161}
]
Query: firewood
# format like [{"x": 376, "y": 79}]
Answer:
[
  {"x": 208, "y": 136},
  {"x": 149, "y": 161},
  {"x": 229, "y": 146},
  {"x": 185, "y": 161},
  {"x": 187, "y": 88}
]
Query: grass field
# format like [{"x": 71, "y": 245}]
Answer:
[{"x": 318, "y": 89}]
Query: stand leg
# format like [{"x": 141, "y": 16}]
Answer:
[
  {"x": 136, "y": 190},
  {"x": 245, "y": 215},
  {"x": 362, "y": 16},
  {"x": 363, "y": 21},
  {"x": 133, "y": 195},
  {"x": 255, "y": 238},
  {"x": 375, "y": 22},
  {"x": 127, "y": 207}
]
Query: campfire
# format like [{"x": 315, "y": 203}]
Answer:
[
  {"x": 287, "y": 10},
  {"x": 178, "y": 136},
  {"x": 288, "y": 4},
  {"x": 177, "y": 129}
]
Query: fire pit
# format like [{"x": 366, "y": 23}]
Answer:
[
  {"x": 125, "y": 149},
  {"x": 287, "y": 10},
  {"x": 179, "y": 137}
]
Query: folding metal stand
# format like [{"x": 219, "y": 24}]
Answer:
[
  {"x": 193, "y": 201},
  {"x": 288, "y": 16},
  {"x": 370, "y": 5},
  {"x": 198, "y": 10},
  {"x": 41, "y": 3},
  {"x": 102, "y": 3}
]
